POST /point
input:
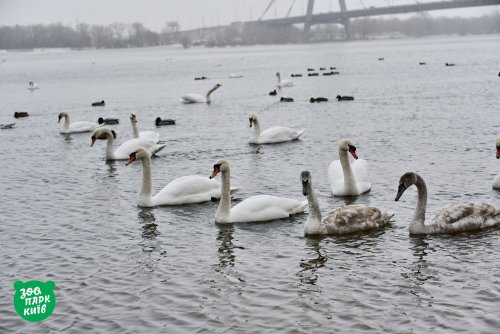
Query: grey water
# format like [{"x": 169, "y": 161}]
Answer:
[{"x": 69, "y": 216}]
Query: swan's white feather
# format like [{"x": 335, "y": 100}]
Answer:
[
  {"x": 193, "y": 98},
  {"x": 336, "y": 177},
  {"x": 265, "y": 207},
  {"x": 277, "y": 134}
]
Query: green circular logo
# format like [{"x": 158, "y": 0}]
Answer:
[{"x": 34, "y": 300}]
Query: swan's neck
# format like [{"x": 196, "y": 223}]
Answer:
[
  {"x": 145, "y": 196},
  {"x": 224, "y": 209},
  {"x": 279, "y": 79},
  {"x": 349, "y": 181},
  {"x": 313, "y": 223},
  {"x": 134, "y": 129},
  {"x": 210, "y": 92},
  {"x": 256, "y": 129},
  {"x": 66, "y": 122},
  {"x": 417, "y": 224},
  {"x": 109, "y": 147}
]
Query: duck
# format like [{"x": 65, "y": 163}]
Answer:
[
  {"x": 284, "y": 82},
  {"x": 20, "y": 114},
  {"x": 449, "y": 64},
  {"x": 108, "y": 121},
  {"x": 76, "y": 127},
  {"x": 333, "y": 68},
  {"x": 496, "y": 181},
  {"x": 422, "y": 63},
  {"x": 151, "y": 135},
  {"x": 381, "y": 58},
  {"x": 454, "y": 218},
  {"x": 160, "y": 122},
  {"x": 276, "y": 134},
  {"x": 197, "y": 98},
  {"x": 286, "y": 99},
  {"x": 322, "y": 68},
  {"x": 32, "y": 86},
  {"x": 343, "y": 220},
  {"x": 312, "y": 74},
  {"x": 348, "y": 179},
  {"x": 123, "y": 151},
  {"x": 296, "y": 75},
  {"x": 273, "y": 92},
  {"x": 104, "y": 135},
  {"x": 99, "y": 104},
  {"x": 318, "y": 99},
  {"x": 187, "y": 189},
  {"x": 200, "y": 78},
  {"x": 253, "y": 209},
  {"x": 7, "y": 126},
  {"x": 331, "y": 73},
  {"x": 310, "y": 69},
  {"x": 344, "y": 98}
]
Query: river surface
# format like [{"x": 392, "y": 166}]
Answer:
[{"x": 69, "y": 216}]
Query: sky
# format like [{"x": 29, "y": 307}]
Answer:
[{"x": 190, "y": 14}]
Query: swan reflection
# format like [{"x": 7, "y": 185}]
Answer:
[
  {"x": 225, "y": 252},
  {"x": 307, "y": 274}
]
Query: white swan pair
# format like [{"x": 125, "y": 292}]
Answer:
[
  {"x": 183, "y": 190},
  {"x": 76, "y": 127},
  {"x": 462, "y": 217},
  {"x": 284, "y": 82},
  {"x": 276, "y": 134},
  {"x": 123, "y": 151},
  {"x": 496, "y": 181},
  {"x": 197, "y": 98},
  {"x": 151, "y": 135},
  {"x": 253, "y": 209},
  {"x": 348, "y": 179},
  {"x": 344, "y": 220}
]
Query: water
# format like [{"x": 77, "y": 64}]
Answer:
[{"x": 69, "y": 216}]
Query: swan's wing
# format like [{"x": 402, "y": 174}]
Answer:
[
  {"x": 123, "y": 151},
  {"x": 336, "y": 176},
  {"x": 467, "y": 216},
  {"x": 82, "y": 126},
  {"x": 278, "y": 134},
  {"x": 355, "y": 218},
  {"x": 360, "y": 170},
  {"x": 188, "y": 189},
  {"x": 266, "y": 207},
  {"x": 193, "y": 98},
  {"x": 496, "y": 182},
  {"x": 151, "y": 135}
]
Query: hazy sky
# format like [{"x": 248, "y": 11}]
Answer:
[{"x": 189, "y": 13}]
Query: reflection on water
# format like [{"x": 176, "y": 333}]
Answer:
[
  {"x": 111, "y": 168},
  {"x": 307, "y": 274},
  {"x": 148, "y": 223},
  {"x": 225, "y": 252}
]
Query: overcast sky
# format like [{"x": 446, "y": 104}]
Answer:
[{"x": 189, "y": 13}]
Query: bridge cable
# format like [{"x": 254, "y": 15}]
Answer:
[{"x": 267, "y": 8}]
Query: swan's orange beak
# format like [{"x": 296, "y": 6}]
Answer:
[
  {"x": 93, "y": 141},
  {"x": 130, "y": 160},
  {"x": 353, "y": 153},
  {"x": 214, "y": 173}
]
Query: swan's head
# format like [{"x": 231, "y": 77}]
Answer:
[
  {"x": 100, "y": 120},
  {"x": 339, "y": 97},
  {"x": 278, "y": 74},
  {"x": 346, "y": 145},
  {"x": 61, "y": 116},
  {"x": 252, "y": 118},
  {"x": 498, "y": 147},
  {"x": 101, "y": 133},
  {"x": 221, "y": 166},
  {"x": 406, "y": 181},
  {"x": 133, "y": 118},
  {"x": 140, "y": 153},
  {"x": 216, "y": 86},
  {"x": 157, "y": 121},
  {"x": 305, "y": 179}
]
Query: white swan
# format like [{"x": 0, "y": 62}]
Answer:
[
  {"x": 183, "y": 190},
  {"x": 344, "y": 220},
  {"x": 151, "y": 135},
  {"x": 123, "y": 151},
  {"x": 197, "y": 98},
  {"x": 348, "y": 179},
  {"x": 253, "y": 209},
  {"x": 284, "y": 82},
  {"x": 276, "y": 134},
  {"x": 76, "y": 127},
  {"x": 496, "y": 181},
  {"x": 32, "y": 86},
  {"x": 454, "y": 218}
]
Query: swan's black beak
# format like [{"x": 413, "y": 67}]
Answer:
[
  {"x": 401, "y": 190},
  {"x": 93, "y": 138},
  {"x": 250, "y": 125},
  {"x": 498, "y": 152},
  {"x": 304, "y": 188}
]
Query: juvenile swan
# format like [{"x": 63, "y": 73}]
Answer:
[
  {"x": 253, "y": 209},
  {"x": 197, "y": 98},
  {"x": 276, "y": 134},
  {"x": 344, "y": 220},
  {"x": 454, "y": 218},
  {"x": 348, "y": 179},
  {"x": 183, "y": 190},
  {"x": 496, "y": 182}
]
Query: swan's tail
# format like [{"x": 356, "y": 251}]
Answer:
[
  {"x": 158, "y": 148},
  {"x": 300, "y": 208},
  {"x": 300, "y": 133},
  {"x": 234, "y": 190}
]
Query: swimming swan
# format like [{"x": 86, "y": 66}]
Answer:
[
  {"x": 197, "y": 98},
  {"x": 344, "y": 220},
  {"x": 151, "y": 135},
  {"x": 252, "y": 209},
  {"x": 283, "y": 83},
  {"x": 454, "y": 218},
  {"x": 348, "y": 179},
  {"x": 496, "y": 182},
  {"x": 183, "y": 190},
  {"x": 123, "y": 151},
  {"x": 276, "y": 134},
  {"x": 76, "y": 127}
]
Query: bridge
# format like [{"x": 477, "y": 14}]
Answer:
[{"x": 343, "y": 17}]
